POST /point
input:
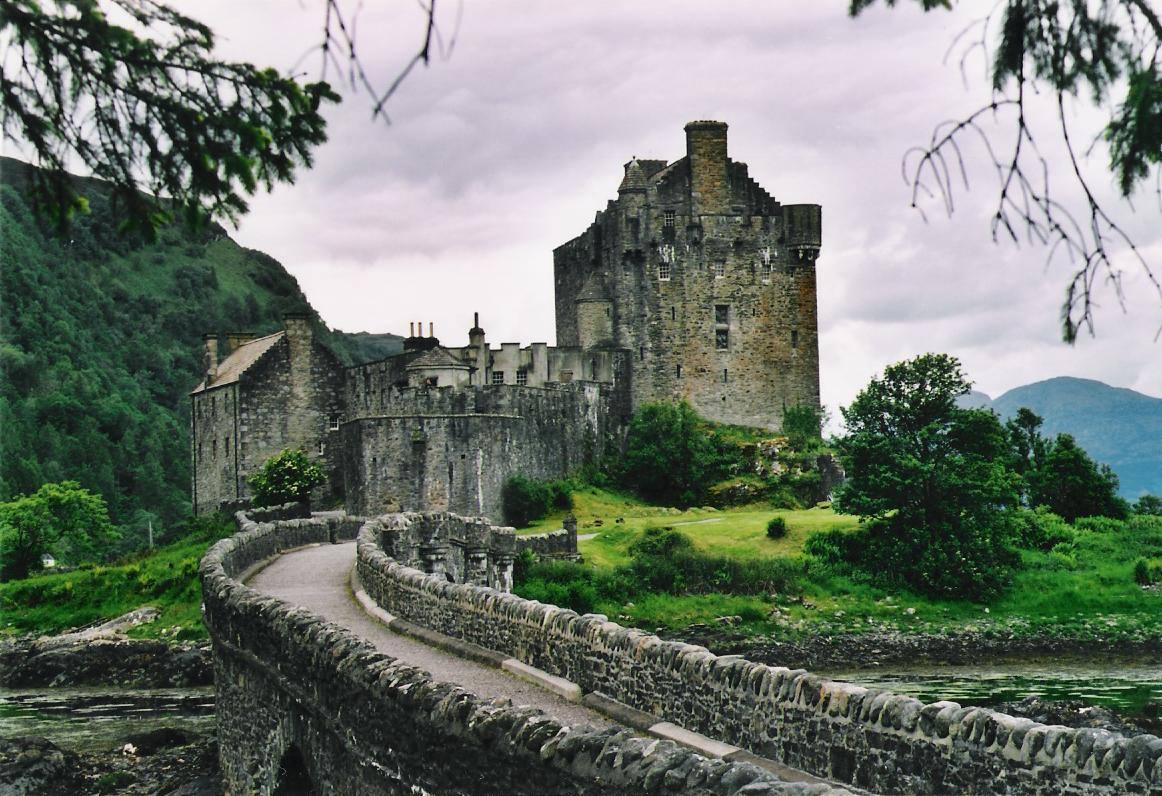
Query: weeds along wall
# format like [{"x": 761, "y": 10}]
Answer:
[
  {"x": 294, "y": 688},
  {"x": 873, "y": 739}
]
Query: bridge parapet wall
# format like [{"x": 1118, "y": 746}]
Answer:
[
  {"x": 292, "y": 687},
  {"x": 873, "y": 739}
]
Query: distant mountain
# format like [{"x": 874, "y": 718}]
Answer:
[
  {"x": 100, "y": 343},
  {"x": 1117, "y": 426}
]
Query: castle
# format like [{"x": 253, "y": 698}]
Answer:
[{"x": 693, "y": 284}]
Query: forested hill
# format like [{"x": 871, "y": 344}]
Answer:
[
  {"x": 1116, "y": 426},
  {"x": 100, "y": 343}
]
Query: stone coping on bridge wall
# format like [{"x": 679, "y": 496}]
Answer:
[
  {"x": 844, "y": 732},
  {"x": 364, "y": 722}
]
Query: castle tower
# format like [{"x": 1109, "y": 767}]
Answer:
[
  {"x": 710, "y": 282},
  {"x": 594, "y": 314}
]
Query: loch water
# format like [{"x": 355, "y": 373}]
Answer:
[
  {"x": 99, "y": 719},
  {"x": 1125, "y": 687}
]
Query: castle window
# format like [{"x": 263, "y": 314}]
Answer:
[
  {"x": 664, "y": 271},
  {"x": 641, "y": 353},
  {"x": 724, "y": 376},
  {"x": 214, "y": 449},
  {"x": 522, "y": 377},
  {"x": 634, "y": 229},
  {"x": 794, "y": 338},
  {"x": 566, "y": 376},
  {"x": 498, "y": 377},
  {"x": 668, "y": 219},
  {"x": 765, "y": 270},
  {"x": 678, "y": 371},
  {"x": 722, "y": 339},
  {"x": 722, "y": 314},
  {"x": 226, "y": 445},
  {"x": 322, "y": 447},
  {"x": 333, "y": 424},
  {"x": 720, "y": 269},
  {"x": 673, "y": 313}
]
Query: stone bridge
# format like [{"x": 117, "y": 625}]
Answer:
[{"x": 346, "y": 706}]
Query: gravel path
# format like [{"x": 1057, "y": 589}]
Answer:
[{"x": 317, "y": 578}]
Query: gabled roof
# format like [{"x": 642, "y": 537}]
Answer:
[
  {"x": 240, "y": 360},
  {"x": 437, "y": 357}
]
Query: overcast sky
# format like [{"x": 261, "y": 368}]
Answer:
[{"x": 507, "y": 147}]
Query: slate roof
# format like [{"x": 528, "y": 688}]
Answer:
[
  {"x": 634, "y": 179},
  {"x": 239, "y": 360},
  {"x": 593, "y": 289},
  {"x": 438, "y": 357}
]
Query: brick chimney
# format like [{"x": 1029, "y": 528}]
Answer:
[{"x": 709, "y": 180}]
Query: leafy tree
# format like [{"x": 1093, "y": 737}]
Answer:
[
  {"x": 1108, "y": 50},
  {"x": 1073, "y": 485},
  {"x": 286, "y": 477},
  {"x": 803, "y": 426},
  {"x": 1149, "y": 505},
  {"x": 64, "y": 520},
  {"x": 149, "y": 98},
  {"x": 929, "y": 478},
  {"x": 1029, "y": 447},
  {"x": 668, "y": 456}
]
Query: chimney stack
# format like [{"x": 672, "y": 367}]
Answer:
[
  {"x": 210, "y": 356},
  {"x": 236, "y": 339}
]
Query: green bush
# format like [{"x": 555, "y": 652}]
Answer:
[
  {"x": 776, "y": 528},
  {"x": 523, "y": 500},
  {"x": 834, "y": 548},
  {"x": 286, "y": 477},
  {"x": 1148, "y": 571},
  {"x": 670, "y": 457},
  {"x": 1041, "y": 529},
  {"x": 1100, "y": 525},
  {"x": 561, "y": 494}
]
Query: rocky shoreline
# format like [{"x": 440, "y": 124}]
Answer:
[
  {"x": 56, "y": 662},
  {"x": 171, "y": 760},
  {"x": 165, "y": 762}
]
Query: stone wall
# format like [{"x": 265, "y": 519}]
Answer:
[
  {"x": 462, "y": 549},
  {"x": 561, "y": 543},
  {"x": 292, "y": 688},
  {"x": 444, "y": 449},
  {"x": 874, "y": 739}
]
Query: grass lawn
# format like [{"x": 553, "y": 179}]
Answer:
[{"x": 1084, "y": 589}]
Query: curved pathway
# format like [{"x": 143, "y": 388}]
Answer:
[{"x": 318, "y": 578}]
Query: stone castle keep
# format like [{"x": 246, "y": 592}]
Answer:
[{"x": 694, "y": 284}]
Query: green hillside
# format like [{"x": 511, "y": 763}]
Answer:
[
  {"x": 1119, "y": 427},
  {"x": 100, "y": 343}
]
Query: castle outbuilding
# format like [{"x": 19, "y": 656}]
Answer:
[{"x": 693, "y": 284}]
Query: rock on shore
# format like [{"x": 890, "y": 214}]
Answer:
[{"x": 135, "y": 663}]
